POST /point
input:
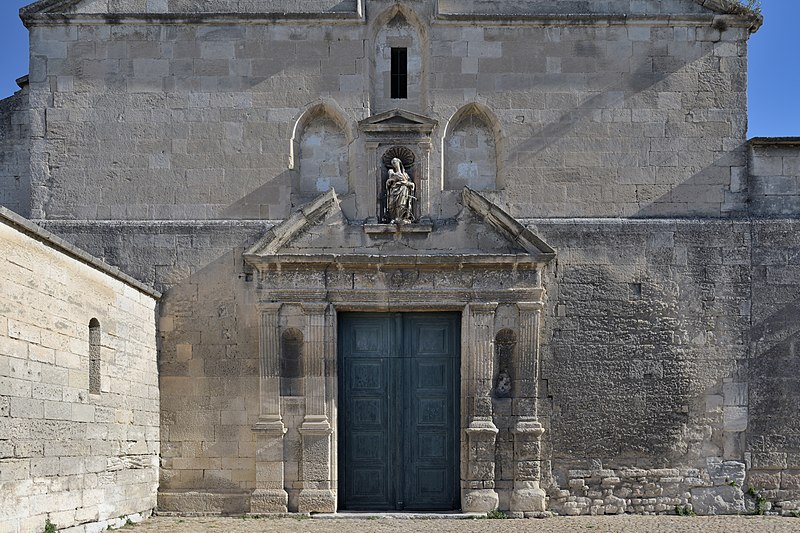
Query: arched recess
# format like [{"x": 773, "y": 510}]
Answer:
[
  {"x": 292, "y": 363},
  {"x": 399, "y": 27},
  {"x": 472, "y": 149},
  {"x": 95, "y": 385},
  {"x": 319, "y": 152}
]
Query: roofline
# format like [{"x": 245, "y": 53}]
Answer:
[
  {"x": 46, "y": 12},
  {"x": 30, "y": 229},
  {"x": 764, "y": 141}
]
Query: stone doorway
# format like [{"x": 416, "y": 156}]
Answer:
[{"x": 399, "y": 379}]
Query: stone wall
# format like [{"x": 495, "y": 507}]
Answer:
[
  {"x": 81, "y": 459},
  {"x": 774, "y": 177},
  {"x": 149, "y": 120},
  {"x": 208, "y": 354},
  {"x": 15, "y": 150},
  {"x": 646, "y": 365},
  {"x": 660, "y": 336},
  {"x": 773, "y": 377}
]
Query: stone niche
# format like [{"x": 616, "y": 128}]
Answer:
[
  {"x": 484, "y": 265},
  {"x": 404, "y": 135}
]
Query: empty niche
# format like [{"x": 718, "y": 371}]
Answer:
[
  {"x": 397, "y": 68},
  {"x": 292, "y": 363},
  {"x": 94, "y": 356},
  {"x": 470, "y": 149},
  {"x": 323, "y": 159}
]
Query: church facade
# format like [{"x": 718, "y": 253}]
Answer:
[{"x": 433, "y": 254}]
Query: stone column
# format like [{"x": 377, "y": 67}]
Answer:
[
  {"x": 424, "y": 183},
  {"x": 369, "y": 207},
  {"x": 527, "y": 496},
  {"x": 316, "y": 495},
  {"x": 480, "y": 495},
  {"x": 269, "y": 495}
]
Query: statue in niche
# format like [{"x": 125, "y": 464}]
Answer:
[
  {"x": 505, "y": 342},
  {"x": 399, "y": 194}
]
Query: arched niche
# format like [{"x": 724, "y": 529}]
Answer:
[
  {"x": 471, "y": 150},
  {"x": 320, "y": 152},
  {"x": 399, "y": 27}
]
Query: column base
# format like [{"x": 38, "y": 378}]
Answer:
[
  {"x": 316, "y": 501},
  {"x": 480, "y": 501},
  {"x": 269, "y": 501},
  {"x": 528, "y": 500}
]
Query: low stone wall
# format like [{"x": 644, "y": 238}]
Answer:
[
  {"x": 775, "y": 176},
  {"x": 79, "y": 397}
]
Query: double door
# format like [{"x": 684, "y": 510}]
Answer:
[{"x": 399, "y": 411}]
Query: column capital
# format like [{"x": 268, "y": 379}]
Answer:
[
  {"x": 315, "y": 307},
  {"x": 269, "y": 307},
  {"x": 530, "y": 306},
  {"x": 270, "y": 424},
  {"x": 480, "y": 308}
]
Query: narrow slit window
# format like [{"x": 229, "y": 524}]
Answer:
[
  {"x": 94, "y": 356},
  {"x": 399, "y": 73}
]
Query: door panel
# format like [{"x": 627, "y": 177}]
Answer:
[
  {"x": 399, "y": 429},
  {"x": 365, "y": 441}
]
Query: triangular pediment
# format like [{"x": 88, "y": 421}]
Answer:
[
  {"x": 398, "y": 119},
  {"x": 319, "y": 233}
]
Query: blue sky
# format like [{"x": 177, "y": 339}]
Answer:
[{"x": 774, "y": 84}]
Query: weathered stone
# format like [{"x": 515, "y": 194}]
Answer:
[
  {"x": 727, "y": 472},
  {"x": 718, "y": 500}
]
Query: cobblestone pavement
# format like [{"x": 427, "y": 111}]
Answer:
[{"x": 606, "y": 524}]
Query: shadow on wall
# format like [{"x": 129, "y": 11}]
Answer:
[
  {"x": 208, "y": 364},
  {"x": 774, "y": 365},
  {"x": 208, "y": 348},
  {"x": 647, "y": 326},
  {"x": 652, "y": 144},
  {"x": 270, "y": 201}
]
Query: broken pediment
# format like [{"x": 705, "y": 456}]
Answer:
[{"x": 319, "y": 233}]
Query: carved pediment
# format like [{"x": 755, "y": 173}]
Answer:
[
  {"x": 319, "y": 234},
  {"x": 398, "y": 121}
]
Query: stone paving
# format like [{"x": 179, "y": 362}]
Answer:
[{"x": 607, "y": 524}]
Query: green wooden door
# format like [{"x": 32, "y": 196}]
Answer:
[{"x": 398, "y": 429}]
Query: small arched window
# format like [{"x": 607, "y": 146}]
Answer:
[
  {"x": 94, "y": 356},
  {"x": 292, "y": 363}
]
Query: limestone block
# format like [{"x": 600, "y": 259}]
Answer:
[
  {"x": 316, "y": 501},
  {"x": 480, "y": 501},
  {"x": 764, "y": 480},
  {"x": 735, "y": 418},
  {"x": 718, "y": 500},
  {"x": 268, "y": 501},
  {"x": 528, "y": 500},
  {"x": 790, "y": 480}
]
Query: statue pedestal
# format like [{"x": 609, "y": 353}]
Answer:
[
  {"x": 527, "y": 496},
  {"x": 480, "y": 496}
]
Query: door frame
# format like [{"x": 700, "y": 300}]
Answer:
[{"x": 490, "y": 292}]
